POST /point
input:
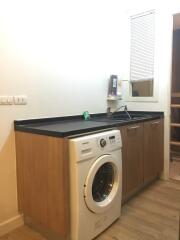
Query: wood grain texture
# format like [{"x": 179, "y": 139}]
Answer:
[
  {"x": 132, "y": 138},
  {"x": 175, "y": 94},
  {"x": 153, "y": 148},
  {"x": 42, "y": 177},
  {"x": 152, "y": 215},
  {"x": 175, "y": 124},
  {"x": 176, "y": 143},
  {"x": 175, "y": 105}
]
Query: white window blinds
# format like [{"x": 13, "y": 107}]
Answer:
[{"x": 142, "y": 47}]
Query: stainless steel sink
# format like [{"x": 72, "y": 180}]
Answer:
[
  {"x": 121, "y": 117},
  {"x": 126, "y": 117},
  {"x": 107, "y": 119}
]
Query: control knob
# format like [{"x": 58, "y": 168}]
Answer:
[{"x": 102, "y": 142}]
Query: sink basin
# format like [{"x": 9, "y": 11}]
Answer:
[
  {"x": 126, "y": 117},
  {"x": 121, "y": 117},
  {"x": 107, "y": 119}
]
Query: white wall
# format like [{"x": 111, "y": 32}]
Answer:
[{"x": 60, "y": 54}]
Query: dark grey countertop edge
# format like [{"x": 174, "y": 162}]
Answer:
[
  {"x": 23, "y": 127},
  {"x": 59, "y": 134},
  {"x": 75, "y": 117}
]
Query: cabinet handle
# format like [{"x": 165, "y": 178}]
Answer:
[
  {"x": 155, "y": 123},
  {"x": 134, "y": 127}
]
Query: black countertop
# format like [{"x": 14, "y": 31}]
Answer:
[{"x": 72, "y": 125}]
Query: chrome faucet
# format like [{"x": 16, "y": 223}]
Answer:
[{"x": 109, "y": 113}]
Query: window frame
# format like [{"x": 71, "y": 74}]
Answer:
[{"x": 127, "y": 83}]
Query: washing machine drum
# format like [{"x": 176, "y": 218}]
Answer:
[{"x": 102, "y": 184}]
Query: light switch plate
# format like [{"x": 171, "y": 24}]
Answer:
[{"x": 20, "y": 100}]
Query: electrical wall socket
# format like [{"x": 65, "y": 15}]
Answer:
[
  {"x": 6, "y": 100},
  {"x": 20, "y": 100}
]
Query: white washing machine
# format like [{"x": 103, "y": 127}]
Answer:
[{"x": 95, "y": 183}]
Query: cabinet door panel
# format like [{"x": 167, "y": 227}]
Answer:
[
  {"x": 43, "y": 183},
  {"x": 134, "y": 135},
  {"x": 153, "y": 148},
  {"x": 132, "y": 157}
]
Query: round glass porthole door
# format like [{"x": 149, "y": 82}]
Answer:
[{"x": 102, "y": 184}]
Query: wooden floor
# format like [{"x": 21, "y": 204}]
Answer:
[{"x": 152, "y": 215}]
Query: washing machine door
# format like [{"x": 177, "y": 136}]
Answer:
[{"x": 102, "y": 184}]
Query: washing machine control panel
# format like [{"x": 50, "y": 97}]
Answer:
[
  {"x": 108, "y": 141},
  {"x": 112, "y": 139}
]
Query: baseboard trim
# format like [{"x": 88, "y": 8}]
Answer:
[{"x": 11, "y": 224}]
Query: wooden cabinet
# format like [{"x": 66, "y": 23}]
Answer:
[
  {"x": 142, "y": 154},
  {"x": 132, "y": 152},
  {"x": 153, "y": 148},
  {"x": 43, "y": 173},
  {"x": 43, "y": 183}
]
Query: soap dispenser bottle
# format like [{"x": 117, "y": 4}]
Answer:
[{"x": 113, "y": 85}]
